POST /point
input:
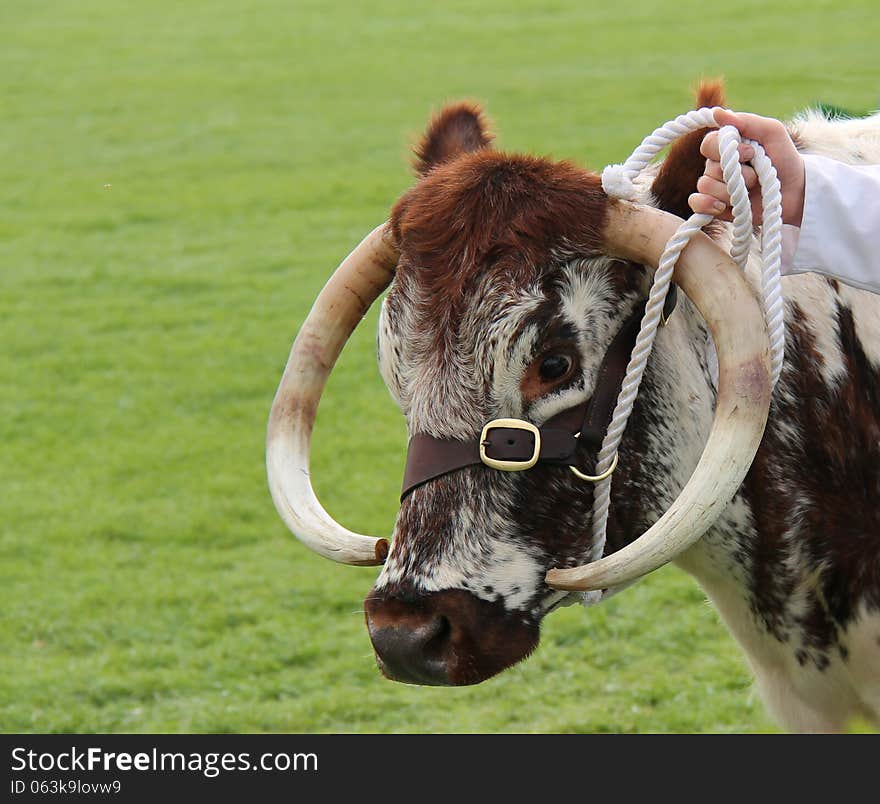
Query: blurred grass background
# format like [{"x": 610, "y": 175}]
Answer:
[{"x": 177, "y": 181}]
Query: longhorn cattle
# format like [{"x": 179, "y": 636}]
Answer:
[{"x": 513, "y": 283}]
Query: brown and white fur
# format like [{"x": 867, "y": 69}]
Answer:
[{"x": 500, "y": 267}]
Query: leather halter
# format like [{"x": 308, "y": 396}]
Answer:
[{"x": 515, "y": 445}]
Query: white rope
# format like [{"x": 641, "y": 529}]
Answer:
[{"x": 617, "y": 181}]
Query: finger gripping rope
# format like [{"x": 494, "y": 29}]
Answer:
[{"x": 617, "y": 181}]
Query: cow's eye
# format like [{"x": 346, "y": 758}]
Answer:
[{"x": 555, "y": 366}]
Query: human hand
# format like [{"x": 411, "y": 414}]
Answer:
[{"x": 712, "y": 196}]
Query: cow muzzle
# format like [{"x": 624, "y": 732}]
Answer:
[{"x": 448, "y": 638}]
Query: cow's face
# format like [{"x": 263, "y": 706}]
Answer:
[{"x": 500, "y": 308}]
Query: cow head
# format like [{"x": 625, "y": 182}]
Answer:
[{"x": 503, "y": 304}]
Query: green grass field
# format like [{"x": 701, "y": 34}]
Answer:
[{"x": 177, "y": 181}]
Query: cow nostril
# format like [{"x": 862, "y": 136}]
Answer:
[
  {"x": 438, "y": 634},
  {"x": 414, "y": 652}
]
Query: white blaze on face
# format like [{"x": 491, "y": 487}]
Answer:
[{"x": 500, "y": 349}]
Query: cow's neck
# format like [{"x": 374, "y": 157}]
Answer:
[
  {"x": 681, "y": 393},
  {"x": 787, "y": 564}
]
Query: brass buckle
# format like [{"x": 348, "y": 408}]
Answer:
[{"x": 510, "y": 466}]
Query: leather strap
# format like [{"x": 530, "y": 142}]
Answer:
[
  {"x": 583, "y": 424},
  {"x": 609, "y": 379}
]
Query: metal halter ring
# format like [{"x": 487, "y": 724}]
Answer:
[{"x": 596, "y": 478}]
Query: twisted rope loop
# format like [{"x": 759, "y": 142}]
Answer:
[{"x": 617, "y": 181}]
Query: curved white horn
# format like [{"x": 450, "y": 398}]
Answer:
[
  {"x": 720, "y": 292},
  {"x": 340, "y": 306}
]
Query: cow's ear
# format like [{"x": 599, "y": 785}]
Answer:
[
  {"x": 678, "y": 174},
  {"x": 459, "y": 128}
]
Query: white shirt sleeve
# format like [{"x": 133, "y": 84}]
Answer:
[{"x": 840, "y": 232}]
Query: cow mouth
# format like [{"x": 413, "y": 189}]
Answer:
[{"x": 450, "y": 638}]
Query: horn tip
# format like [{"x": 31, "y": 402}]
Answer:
[
  {"x": 568, "y": 580},
  {"x": 382, "y": 548}
]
